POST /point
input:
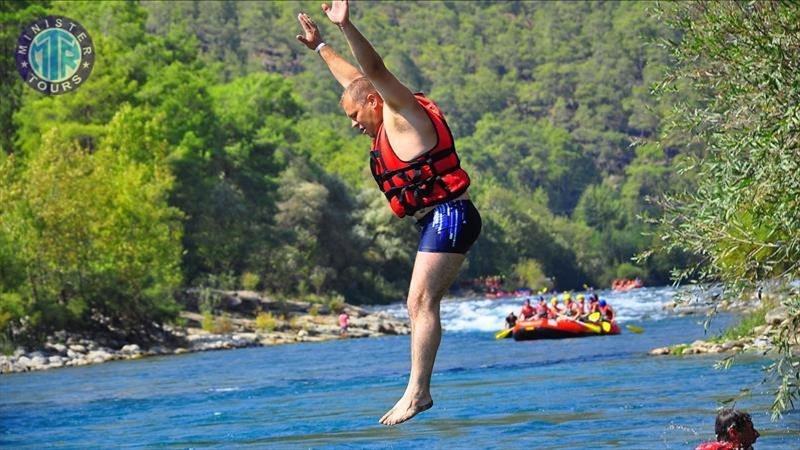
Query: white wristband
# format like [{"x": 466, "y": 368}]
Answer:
[{"x": 319, "y": 47}]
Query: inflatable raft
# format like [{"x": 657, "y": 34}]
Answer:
[{"x": 560, "y": 329}]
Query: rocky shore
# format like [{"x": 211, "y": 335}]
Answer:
[
  {"x": 761, "y": 338},
  {"x": 241, "y": 319}
]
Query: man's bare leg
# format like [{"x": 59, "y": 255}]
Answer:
[{"x": 432, "y": 276}]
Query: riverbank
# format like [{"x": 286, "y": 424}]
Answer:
[
  {"x": 240, "y": 319},
  {"x": 761, "y": 337}
]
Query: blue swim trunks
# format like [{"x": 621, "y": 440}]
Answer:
[{"x": 451, "y": 227}]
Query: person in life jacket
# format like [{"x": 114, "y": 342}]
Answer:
[
  {"x": 605, "y": 310},
  {"x": 571, "y": 309},
  {"x": 581, "y": 307},
  {"x": 527, "y": 310},
  {"x": 734, "y": 430},
  {"x": 553, "y": 310},
  {"x": 541, "y": 308},
  {"x": 414, "y": 161},
  {"x": 593, "y": 304}
]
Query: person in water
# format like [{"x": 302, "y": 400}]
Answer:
[
  {"x": 511, "y": 320},
  {"x": 734, "y": 430},
  {"x": 414, "y": 161}
]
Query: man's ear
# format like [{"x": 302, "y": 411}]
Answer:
[{"x": 374, "y": 100}]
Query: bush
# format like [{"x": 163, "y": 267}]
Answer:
[
  {"x": 208, "y": 321},
  {"x": 223, "y": 324},
  {"x": 745, "y": 326},
  {"x": 216, "y": 325},
  {"x": 336, "y": 304},
  {"x": 628, "y": 270},
  {"x": 249, "y": 281},
  {"x": 530, "y": 274},
  {"x": 265, "y": 321}
]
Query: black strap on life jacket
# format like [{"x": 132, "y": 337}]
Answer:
[{"x": 418, "y": 186}]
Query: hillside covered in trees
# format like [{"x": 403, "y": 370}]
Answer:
[{"x": 208, "y": 149}]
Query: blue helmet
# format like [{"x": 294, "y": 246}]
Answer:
[{"x": 602, "y": 303}]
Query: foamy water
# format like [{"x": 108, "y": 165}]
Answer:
[{"x": 488, "y": 314}]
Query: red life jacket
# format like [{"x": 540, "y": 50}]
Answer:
[
  {"x": 432, "y": 178},
  {"x": 527, "y": 311},
  {"x": 716, "y": 446}
]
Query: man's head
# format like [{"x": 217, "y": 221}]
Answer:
[
  {"x": 363, "y": 105},
  {"x": 736, "y": 427},
  {"x": 527, "y": 302}
]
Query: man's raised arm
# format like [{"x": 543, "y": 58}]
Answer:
[
  {"x": 343, "y": 71},
  {"x": 396, "y": 95}
]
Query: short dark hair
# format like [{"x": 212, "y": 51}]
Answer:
[
  {"x": 727, "y": 417},
  {"x": 359, "y": 89}
]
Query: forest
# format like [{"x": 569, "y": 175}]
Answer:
[{"x": 208, "y": 149}]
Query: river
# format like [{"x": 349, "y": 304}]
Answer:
[{"x": 600, "y": 392}]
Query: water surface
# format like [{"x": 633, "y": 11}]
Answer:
[{"x": 601, "y": 392}]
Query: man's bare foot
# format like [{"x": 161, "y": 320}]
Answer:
[{"x": 403, "y": 410}]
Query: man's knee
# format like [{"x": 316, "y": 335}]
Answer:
[{"x": 422, "y": 304}]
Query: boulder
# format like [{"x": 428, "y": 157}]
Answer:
[
  {"x": 60, "y": 349},
  {"x": 777, "y": 315},
  {"x": 130, "y": 349},
  {"x": 659, "y": 351},
  {"x": 78, "y": 348}
]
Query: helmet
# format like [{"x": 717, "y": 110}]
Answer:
[
  {"x": 541, "y": 299},
  {"x": 567, "y": 297},
  {"x": 580, "y": 297},
  {"x": 554, "y": 300},
  {"x": 603, "y": 303}
]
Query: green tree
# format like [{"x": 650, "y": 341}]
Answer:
[
  {"x": 93, "y": 235},
  {"x": 743, "y": 61}
]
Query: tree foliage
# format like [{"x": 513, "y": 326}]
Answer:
[
  {"x": 240, "y": 128},
  {"x": 742, "y": 215}
]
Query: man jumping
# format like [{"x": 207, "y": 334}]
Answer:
[{"x": 414, "y": 162}]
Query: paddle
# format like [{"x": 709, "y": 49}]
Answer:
[
  {"x": 594, "y": 328},
  {"x": 635, "y": 329},
  {"x": 595, "y": 317},
  {"x": 604, "y": 325},
  {"x": 502, "y": 334}
]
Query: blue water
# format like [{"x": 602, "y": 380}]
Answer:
[{"x": 600, "y": 392}]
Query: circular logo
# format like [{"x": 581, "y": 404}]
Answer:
[{"x": 54, "y": 55}]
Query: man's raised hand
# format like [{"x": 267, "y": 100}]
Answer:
[
  {"x": 312, "y": 36},
  {"x": 338, "y": 12}
]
